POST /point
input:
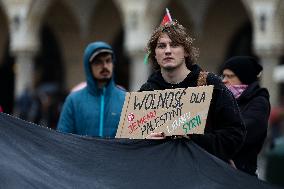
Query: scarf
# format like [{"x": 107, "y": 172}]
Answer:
[{"x": 237, "y": 90}]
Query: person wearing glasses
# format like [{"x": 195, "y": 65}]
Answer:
[
  {"x": 241, "y": 76},
  {"x": 95, "y": 109}
]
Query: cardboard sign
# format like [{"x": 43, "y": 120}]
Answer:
[{"x": 172, "y": 111}]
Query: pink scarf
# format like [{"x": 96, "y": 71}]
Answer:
[{"x": 237, "y": 90}]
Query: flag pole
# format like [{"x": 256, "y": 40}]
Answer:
[{"x": 169, "y": 15}]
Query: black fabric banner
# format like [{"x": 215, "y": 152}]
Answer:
[{"x": 32, "y": 156}]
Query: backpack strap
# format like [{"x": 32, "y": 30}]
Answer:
[{"x": 202, "y": 78}]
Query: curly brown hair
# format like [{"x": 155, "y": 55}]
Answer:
[{"x": 178, "y": 34}]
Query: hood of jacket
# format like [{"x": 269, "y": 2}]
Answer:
[{"x": 92, "y": 86}]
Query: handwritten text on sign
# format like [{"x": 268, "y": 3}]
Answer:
[{"x": 172, "y": 111}]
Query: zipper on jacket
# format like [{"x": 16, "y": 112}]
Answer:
[{"x": 101, "y": 132}]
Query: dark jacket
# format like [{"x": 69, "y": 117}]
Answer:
[
  {"x": 255, "y": 108},
  {"x": 224, "y": 130},
  {"x": 91, "y": 110}
]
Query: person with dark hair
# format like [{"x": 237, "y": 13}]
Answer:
[
  {"x": 240, "y": 75},
  {"x": 95, "y": 109},
  {"x": 172, "y": 54}
]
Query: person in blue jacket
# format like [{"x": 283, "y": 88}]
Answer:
[{"x": 94, "y": 110}]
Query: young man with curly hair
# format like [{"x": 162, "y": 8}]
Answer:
[{"x": 173, "y": 56}]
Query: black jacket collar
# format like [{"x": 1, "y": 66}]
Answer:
[
  {"x": 190, "y": 81},
  {"x": 253, "y": 90}
]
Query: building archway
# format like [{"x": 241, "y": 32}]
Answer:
[
  {"x": 48, "y": 62},
  {"x": 62, "y": 23},
  {"x": 121, "y": 70},
  {"x": 7, "y": 79},
  {"x": 241, "y": 43},
  {"x": 221, "y": 22},
  {"x": 7, "y": 75},
  {"x": 112, "y": 33}
]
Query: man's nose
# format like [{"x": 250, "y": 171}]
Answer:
[
  {"x": 168, "y": 49},
  {"x": 104, "y": 63}
]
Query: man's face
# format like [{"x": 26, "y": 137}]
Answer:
[
  {"x": 102, "y": 67},
  {"x": 168, "y": 54}
]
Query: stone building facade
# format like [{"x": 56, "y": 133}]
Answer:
[{"x": 42, "y": 41}]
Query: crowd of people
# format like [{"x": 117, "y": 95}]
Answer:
[{"x": 239, "y": 114}]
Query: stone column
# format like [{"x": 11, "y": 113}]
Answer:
[
  {"x": 24, "y": 26},
  {"x": 139, "y": 71},
  {"x": 137, "y": 33},
  {"x": 268, "y": 40},
  {"x": 24, "y": 72},
  {"x": 269, "y": 63}
]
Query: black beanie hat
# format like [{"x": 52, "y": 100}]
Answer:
[{"x": 246, "y": 68}]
